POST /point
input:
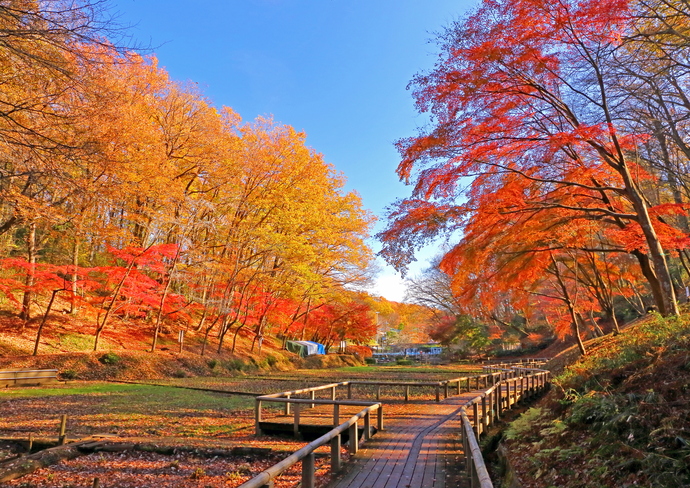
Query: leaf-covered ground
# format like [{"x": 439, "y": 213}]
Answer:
[
  {"x": 183, "y": 419},
  {"x": 619, "y": 417}
]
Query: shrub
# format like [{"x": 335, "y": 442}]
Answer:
[
  {"x": 109, "y": 358},
  {"x": 404, "y": 362},
  {"x": 234, "y": 365},
  {"x": 370, "y": 360},
  {"x": 69, "y": 374},
  {"x": 212, "y": 363}
]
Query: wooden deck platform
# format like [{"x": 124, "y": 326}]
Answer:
[{"x": 419, "y": 448}]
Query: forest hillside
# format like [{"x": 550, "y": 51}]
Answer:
[{"x": 619, "y": 416}]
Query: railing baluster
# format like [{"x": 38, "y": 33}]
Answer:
[
  {"x": 308, "y": 471},
  {"x": 335, "y": 454},
  {"x": 354, "y": 447},
  {"x": 257, "y": 417},
  {"x": 295, "y": 425}
]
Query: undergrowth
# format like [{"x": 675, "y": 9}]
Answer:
[{"x": 618, "y": 417}]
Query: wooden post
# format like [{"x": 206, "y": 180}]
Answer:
[
  {"x": 407, "y": 393},
  {"x": 287, "y": 405},
  {"x": 295, "y": 425},
  {"x": 349, "y": 390},
  {"x": 466, "y": 450},
  {"x": 367, "y": 426},
  {"x": 308, "y": 471},
  {"x": 336, "y": 414},
  {"x": 445, "y": 390},
  {"x": 458, "y": 386},
  {"x": 497, "y": 398},
  {"x": 353, "y": 439},
  {"x": 312, "y": 395},
  {"x": 378, "y": 392},
  {"x": 475, "y": 408},
  {"x": 438, "y": 393},
  {"x": 31, "y": 443},
  {"x": 333, "y": 393},
  {"x": 490, "y": 405},
  {"x": 63, "y": 429},
  {"x": 96, "y": 483},
  {"x": 462, "y": 435},
  {"x": 257, "y": 417},
  {"x": 335, "y": 454},
  {"x": 379, "y": 418}
]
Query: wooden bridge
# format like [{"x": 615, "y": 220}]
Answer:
[{"x": 427, "y": 443}]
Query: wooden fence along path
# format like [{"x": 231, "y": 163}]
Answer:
[{"x": 426, "y": 443}]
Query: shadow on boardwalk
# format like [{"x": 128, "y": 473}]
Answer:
[{"x": 420, "y": 447}]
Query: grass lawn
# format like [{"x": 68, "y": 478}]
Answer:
[{"x": 123, "y": 409}]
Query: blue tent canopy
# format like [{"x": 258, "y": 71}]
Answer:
[
  {"x": 305, "y": 348},
  {"x": 320, "y": 348}
]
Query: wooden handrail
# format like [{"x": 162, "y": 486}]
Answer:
[
  {"x": 266, "y": 477},
  {"x": 474, "y": 462},
  {"x": 479, "y": 476}
]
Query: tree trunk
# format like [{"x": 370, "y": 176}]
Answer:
[
  {"x": 100, "y": 326},
  {"x": 45, "y": 319},
  {"x": 159, "y": 315},
  {"x": 73, "y": 276},
  {"x": 234, "y": 338},
  {"x": 571, "y": 306},
  {"x": 666, "y": 302},
  {"x": 30, "y": 279}
]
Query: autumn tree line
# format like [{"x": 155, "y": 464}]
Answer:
[
  {"x": 125, "y": 194},
  {"x": 555, "y": 162}
]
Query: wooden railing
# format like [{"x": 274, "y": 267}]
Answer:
[
  {"x": 504, "y": 387},
  {"x": 28, "y": 377},
  {"x": 442, "y": 388},
  {"x": 306, "y": 454},
  {"x": 487, "y": 407}
]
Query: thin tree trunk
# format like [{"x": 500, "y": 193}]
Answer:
[
  {"x": 570, "y": 305},
  {"x": 73, "y": 276},
  {"x": 159, "y": 315},
  {"x": 100, "y": 326},
  {"x": 30, "y": 279},
  {"x": 45, "y": 319}
]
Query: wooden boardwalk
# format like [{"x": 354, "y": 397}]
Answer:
[{"x": 420, "y": 447}]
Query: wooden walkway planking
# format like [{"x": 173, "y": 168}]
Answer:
[{"x": 419, "y": 448}]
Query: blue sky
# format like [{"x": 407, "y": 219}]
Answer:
[{"x": 335, "y": 69}]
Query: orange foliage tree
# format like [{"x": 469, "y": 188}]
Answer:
[{"x": 529, "y": 156}]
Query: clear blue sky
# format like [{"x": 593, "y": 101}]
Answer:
[{"x": 335, "y": 69}]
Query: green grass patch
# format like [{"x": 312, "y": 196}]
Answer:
[
  {"x": 127, "y": 397},
  {"x": 74, "y": 342}
]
